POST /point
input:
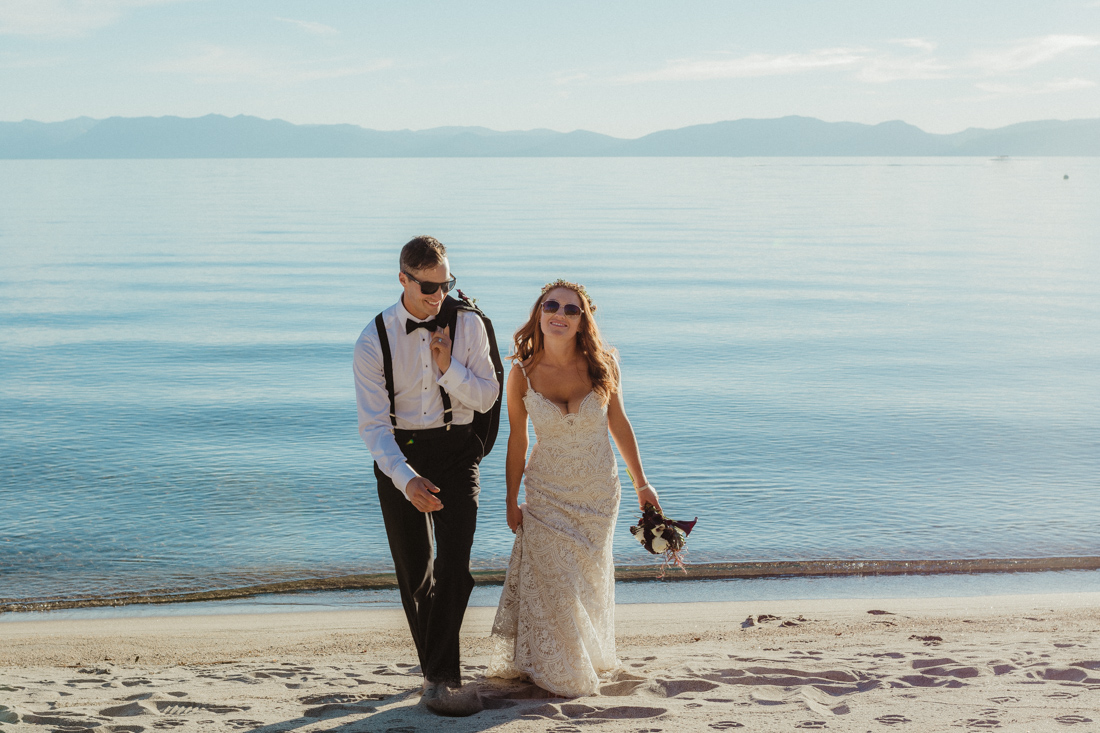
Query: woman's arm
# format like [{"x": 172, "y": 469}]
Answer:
[
  {"x": 623, "y": 433},
  {"x": 517, "y": 444}
]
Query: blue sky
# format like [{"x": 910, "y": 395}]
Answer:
[{"x": 623, "y": 68}]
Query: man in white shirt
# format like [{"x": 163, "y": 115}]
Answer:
[{"x": 426, "y": 456}]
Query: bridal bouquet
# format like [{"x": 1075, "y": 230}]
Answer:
[{"x": 663, "y": 536}]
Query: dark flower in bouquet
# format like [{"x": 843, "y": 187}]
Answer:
[{"x": 663, "y": 536}]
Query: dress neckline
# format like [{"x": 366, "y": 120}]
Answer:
[{"x": 547, "y": 400}]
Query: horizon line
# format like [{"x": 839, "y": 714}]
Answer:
[{"x": 543, "y": 129}]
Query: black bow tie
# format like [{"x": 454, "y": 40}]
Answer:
[{"x": 411, "y": 325}]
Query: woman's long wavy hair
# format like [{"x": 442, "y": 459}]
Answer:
[{"x": 603, "y": 372}]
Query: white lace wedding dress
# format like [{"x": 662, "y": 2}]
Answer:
[{"x": 556, "y": 621}]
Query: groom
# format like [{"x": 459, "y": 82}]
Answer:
[{"x": 415, "y": 418}]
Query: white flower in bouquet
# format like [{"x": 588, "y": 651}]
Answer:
[{"x": 663, "y": 536}]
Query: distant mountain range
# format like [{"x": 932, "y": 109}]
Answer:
[{"x": 216, "y": 136}]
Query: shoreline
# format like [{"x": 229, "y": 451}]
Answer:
[
  {"x": 624, "y": 573},
  {"x": 1016, "y": 663}
]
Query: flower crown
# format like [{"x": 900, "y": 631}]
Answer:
[{"x": 575, "y": 287}]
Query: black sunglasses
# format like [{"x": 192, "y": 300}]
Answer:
[
  {"x": 551, "y": 306},
  {"x": 429, "y": 288}
]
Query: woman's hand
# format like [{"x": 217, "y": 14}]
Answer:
[
  {"x": 515, "y": 517},
  {"x": 649, "y": 495}
]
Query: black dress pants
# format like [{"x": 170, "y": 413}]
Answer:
[{"x": 431, "y": 550}]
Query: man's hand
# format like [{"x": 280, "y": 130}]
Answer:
[
  {"x": 515, "y": 517},
  {"x": 441, "y": 348},
  {"x": 422, "y": 494}
]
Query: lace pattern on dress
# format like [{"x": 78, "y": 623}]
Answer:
[{"x": 556, "y": 621}]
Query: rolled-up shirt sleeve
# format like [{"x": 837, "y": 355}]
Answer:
[
  {"x": 373, "y": 402},
  {"x": 474, "y": 383}
]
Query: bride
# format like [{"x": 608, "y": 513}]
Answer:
[{"x": 556, "y": 621}]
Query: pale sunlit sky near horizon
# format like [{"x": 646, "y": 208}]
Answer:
[{"x": 622, "y": 67}]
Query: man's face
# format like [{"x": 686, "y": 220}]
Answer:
[{"x": 415, "y": 301}]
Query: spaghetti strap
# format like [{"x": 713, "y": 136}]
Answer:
[{"x": 520, "y": 365}]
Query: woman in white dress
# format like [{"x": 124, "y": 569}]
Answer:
[{"x": 556, "y": 621}]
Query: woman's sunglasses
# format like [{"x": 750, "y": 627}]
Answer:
[
  {"x": 429, "y": 288},
  {"x": 551, "y": 306}
]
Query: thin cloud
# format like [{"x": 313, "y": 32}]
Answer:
[
  {"x": 1053, "y": 87},
  {"x": 214, "y": 64},
  {"x": 11, "y": 61},
  {"x": 885, "y": 69},
  {"x": 750, "y": 66},
  {"x": 919, "y": 44},
  {"x": 1028, "y": 53},
  {"x": 64, "y": 18},
  {"x": 342, "y": 71},
  {"x": 564, "y": 78},
  {"x": 310, "y": 26},
  {"x": 879, "y": 67}
]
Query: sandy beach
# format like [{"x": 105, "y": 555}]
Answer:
[{"x": 1011, "y": 663}]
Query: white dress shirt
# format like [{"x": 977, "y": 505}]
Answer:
[{"x": 470, "y": 382}]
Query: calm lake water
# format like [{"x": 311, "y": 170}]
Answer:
[{"x": 824, "y": 358}]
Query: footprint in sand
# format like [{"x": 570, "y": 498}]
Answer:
[
  {"x": 390, "y": 671},
  {"x": 337, "y": 699},
  {"x": 338, "y": 711},
  {"x": 1004, "y": 700},
  {"x": 672, "y": 688},
  {"x": 928, "y": 640},
  {"x": 814, "y": 724},
  {"x": 1072, "y": 719},
  {"x": 944, "y": 668},
  {"x": 587, "y": 712},
  {"x": 725, "y": 725},
  {"x": 893, "y": 719},
  {"x": 244, "y": 724},
  {"x": 128, "y": 710},
  {"x": 185, "y": 707},
  {"x": 620, "y": 689},
  {"x": 57, "y": 722},
  {"x": 1061, "y": 695},
  {"x": 1071, "y": 674},
  {"x": 920, "y": 680},
  {"x": 980, "y": 723}
]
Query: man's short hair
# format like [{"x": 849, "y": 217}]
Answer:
[{"x": 422, "y": 253}]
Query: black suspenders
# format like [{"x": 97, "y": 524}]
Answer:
[
  {"x": 387, "y": 370},
  {"x": 387, "y": 364}
]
